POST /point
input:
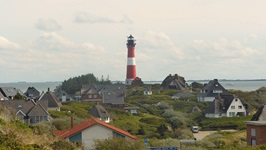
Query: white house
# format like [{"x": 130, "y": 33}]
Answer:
[
  {"x": 147, "y": 91},
  {"x": 225, "y": 106},
  {"x": 132, "y": 110},
  {"x": 90, "y": 130}
]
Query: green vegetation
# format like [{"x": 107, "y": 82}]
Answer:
[
  {"x": 15, "y": 135},
  {"x": 119, "y": 144},
  {"x": 224, "y": 123},
  {"x": 162, "y": 120},
  {"x": 223, "y": 140},
  {"x": 73, "y": 85}
]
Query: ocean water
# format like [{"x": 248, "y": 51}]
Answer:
[
  {"x": 243, "y": 85},
  {"x": 40, "y": 86}
]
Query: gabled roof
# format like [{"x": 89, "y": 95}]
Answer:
[
  {"x": 91, "y": 90},
  {"x": 103, "y": 87},
  {"x": 220, "y": 104},
  {"x": 114, "y": 97},
  {"x": 87, "y": 124},
  {"x": 148, "y": 88},
  {"x": 98, "y": 112},
  {"x": 52, "y": 99},
  {"x": 32, "y": 91},
  {"x": 38, "y": 110},
  {"x": 195, "y": 109},
  {"x": 174, "y": 82},
  {"x": 210, "y": 87},
  {"x": 260, "y": 115},
  {"x": 25, "y": 107},
  {"x": 61, "y": 93},
  {"x": 2, "y": 97},
  {"x": 109, "y": 93},
  {"x": 9, "y": 91}
]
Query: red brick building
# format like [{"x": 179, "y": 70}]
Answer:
[{"x": 256, "y": 131}]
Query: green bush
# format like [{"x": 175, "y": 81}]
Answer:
[
  {"x": 119, "y": 144},
  {"x": 152, "y": 120},
  {"x": 224, "y": 123},
  {"x": 63, "y": 145}
]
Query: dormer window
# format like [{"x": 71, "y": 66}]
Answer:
[
  {"x": 217, "y": 91},
  {"x": 19, "y": 107}
]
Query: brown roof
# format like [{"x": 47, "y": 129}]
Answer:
[
  {"x": 28, "y": 107},
  {"x": 84, "y": 125},
  {"x": 52, "y": 99},
  {"x": 98, "y": 112}
]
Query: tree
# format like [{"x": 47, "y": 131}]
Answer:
[
  {"x": 141, "y": 131},
  {"x": 73, "y": 85},
  {"x": 161, "y": 129},
  {"x": 19, "y": 97}
]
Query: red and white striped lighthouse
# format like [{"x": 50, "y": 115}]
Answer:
[{"x": 131, "y": 64}]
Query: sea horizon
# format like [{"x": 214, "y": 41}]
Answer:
[{"x": 236, "y": 84}]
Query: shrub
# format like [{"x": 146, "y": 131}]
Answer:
[
  {"x": 63, "y": 145},
  {"x": 119, "y": 144},
  {"x": 169, "y": 142},
  {"x": 152, "y": 120}
]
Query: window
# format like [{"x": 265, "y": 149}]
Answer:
[
  {"x": 232, "y": 114},
  {"x": 233, "y": 107},
  {"x": 37, "y": 119},
  {"x": 94, "y": 96},
  {"x": 236, "y": 100},
  {"x": 240, "y": 107},
  {"x": 90, "y": 96},
  {"x": 115, "y": 134},
  {"x": 253, "y": 132},
  {"x": 41, "y": 118},
  {"x": 253, "y": 142},
  {"x": 217, "y": 91}
]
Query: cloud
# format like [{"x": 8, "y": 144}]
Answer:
[
  {"x": 84, "y": 17},
  {"x": 158, "y": 44},
  {"x": 126, "y": 20},
  {"x": 54, "y": 57},
  {"x": 6, "y": 44},
  {"x": 53, "y": 41},
  {"x": 47, "y": 25},
  {"x": 222, "y": 48}
]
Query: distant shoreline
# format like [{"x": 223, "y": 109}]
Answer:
[
  {"x": 227, "y": 80},
  {"x": 154, "y": 81}
]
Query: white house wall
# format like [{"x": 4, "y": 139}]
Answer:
[
  {"x": 95, "y": 132},
  {"x": 236, "y": 102}
]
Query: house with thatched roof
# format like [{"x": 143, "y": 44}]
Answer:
[{"x": 174, "y": 82}]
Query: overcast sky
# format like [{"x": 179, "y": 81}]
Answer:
[{"x": 53, "y": 40}]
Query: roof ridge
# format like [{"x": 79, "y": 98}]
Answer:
[{"x": 86, "y": 124}]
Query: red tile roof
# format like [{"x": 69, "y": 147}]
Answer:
[{"x": 88, "y": 123}]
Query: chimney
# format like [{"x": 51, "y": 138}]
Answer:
[{"x": 48, "y": 89}]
